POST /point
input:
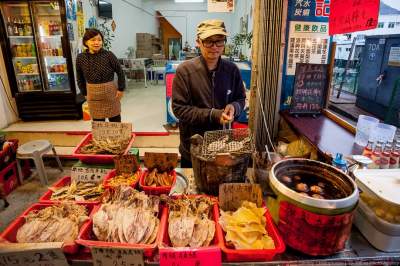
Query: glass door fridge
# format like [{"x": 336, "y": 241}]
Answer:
[
  {"x": 21, "y": 41},
  {"x": 50, "y": 39}
]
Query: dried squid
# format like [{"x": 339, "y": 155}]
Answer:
[
  {"x": 104, "y": 147},
  {"x": 157, "y": 179},
  {"x": 79, "y": 191},
  {"x": 58, "y": 223}
]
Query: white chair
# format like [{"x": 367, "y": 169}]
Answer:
[{"x": 35, "y": 150}]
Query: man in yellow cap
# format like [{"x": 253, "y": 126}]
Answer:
[{"x": 207, "y": 91}]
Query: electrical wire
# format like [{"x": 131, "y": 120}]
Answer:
[{"x": 8, "y": 97}]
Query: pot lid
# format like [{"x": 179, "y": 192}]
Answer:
[{"x": 383, "y": 183}]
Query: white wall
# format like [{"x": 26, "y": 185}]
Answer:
[
  {"x": 130, "y": 18},
  {"x": 243, "y": 9},
  {"x": 186, "y": 16}
]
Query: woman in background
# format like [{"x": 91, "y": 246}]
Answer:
[{"x": 95, "y": 69}]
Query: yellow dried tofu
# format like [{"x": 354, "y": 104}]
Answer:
[
  {"x": 253, "y": 227},
  {"x": 244, "y": 216}
]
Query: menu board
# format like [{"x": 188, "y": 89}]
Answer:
[{"x": 309, "y": 88}]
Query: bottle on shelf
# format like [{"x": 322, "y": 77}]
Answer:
[
  {"x": 10, "y": 29},
  {"x": 395, "y": 157},
  {"x": 33, "y": 50},
  {"x": 15, "y": 27},
  {"x": 368, "y": 149},
  {"x": 385, "y": 157},
  {"x": 20, "y": 27},
  {"x": 28, "y": 28},
  {"x": 376, "y": 156}
]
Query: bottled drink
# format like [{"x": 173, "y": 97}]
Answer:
[
  {"x": 51, "y": 28},
  {"x": 15, "y": 27},
  {"x": 33, "y": 51},
  {"x": 10, "y": 27},
  {"x": 28, "y": 28},
  {"x": 395, "y": 157},
  {"x": 20, "y": 28},
  {"x": 385, "y": 157},
  {"x": 368, "y": 149},
  {"x": 376, "y": 156}
]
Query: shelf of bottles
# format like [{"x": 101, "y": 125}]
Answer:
[
  {"x": 22, "y": 44},
  {"x": 48, "y": 23}
]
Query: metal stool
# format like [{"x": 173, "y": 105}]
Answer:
[{"x": 35, "y": 150}]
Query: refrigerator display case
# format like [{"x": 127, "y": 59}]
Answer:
[{"x": 38, "y": 59}]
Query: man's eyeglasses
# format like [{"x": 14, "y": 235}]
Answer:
[{"x": 209, "y": 43}]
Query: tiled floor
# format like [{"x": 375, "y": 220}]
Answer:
[{"x": 144, "y": 107}]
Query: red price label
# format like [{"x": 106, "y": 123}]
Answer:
[{"x": 190, "y": 257}]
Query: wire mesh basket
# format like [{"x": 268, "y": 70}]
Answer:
[{"x": 238, "y": 141}]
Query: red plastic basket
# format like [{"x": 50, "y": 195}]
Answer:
[
  {"x": 156, "y": 190},
  {"x": 97, "y": 158},
  {"x": 166, "y": 244},
  {"x": 250, "y": 255},
  {"x": 10, "y": 233},
  {"x": 9, "y": 178},
  {"x": 8, "y": 155},
  {"x": 65, "y": 181},
  {"x": 113, "y": 173},
  {"x": 88, "y": 239}
]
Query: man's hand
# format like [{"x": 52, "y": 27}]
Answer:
[
  {"x": 228, "y": 114},
  {"x": 119, "y": 95}
]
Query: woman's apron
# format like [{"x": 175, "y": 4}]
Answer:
[{"x": 102, "y": 100}]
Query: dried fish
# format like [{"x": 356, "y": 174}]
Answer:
[
  {"x": 189, "y": 222},
  {"x": 156, "y": 179},
  {"x": 104, "y": 147},
  {"x": 78, "y": 191},
  {"x": 124, "y": 179},
  {"x": 58, "y": 223},
  {"x": 127, "y": 216}
]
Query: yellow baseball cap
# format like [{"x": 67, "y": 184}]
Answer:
[{"x": 211, "y": 27}]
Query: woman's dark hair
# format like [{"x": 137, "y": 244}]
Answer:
[{"x": 89, "y": 34}]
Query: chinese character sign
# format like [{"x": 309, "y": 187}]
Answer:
[
  {"x": 353, "y": 15},
  {"x": 307, "y": 10},
  {"x": 308, "y": 43}
]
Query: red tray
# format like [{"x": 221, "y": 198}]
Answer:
[
  {"x": 166, "y": 243},
  {"x": 65, "y": 181},
  {"x": 97, "y": 158},
  {"x": 9, "y": 178},
  {"x": 10, "y": 233},
  {"x": 112, "y": 174},
  {"x": 249, "y": 255},
  {"x": 88, "y": 239},
  {"x": 155, "y": 190}
]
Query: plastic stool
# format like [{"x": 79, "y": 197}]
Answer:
[{"x": 35, "y": 150}]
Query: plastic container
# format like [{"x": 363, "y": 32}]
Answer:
[
  {"x": 8, "y": 155},
  {"x": 381, "y": 234},
  {"x": 156, "y": 190},
  {"x": 113, "y": 173},
  {"x": 383, "y": 132},
  {"x": 88, "y": 239},
  {"x": 9, "y": 178},
  {"x": 65, "y": 181},
  {"x": 250, "y": 255},
  {"x": 365, "y": 126},
  {"x": 97, "y": 158},
  {"x": 10, "y": 233}
]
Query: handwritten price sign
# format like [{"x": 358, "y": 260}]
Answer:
[
  {"x": 84, "y": 174},
  {"x": 38, "y": 254},
  {"x": 190, "y": 257},
  {"x": 231, "y": 195},
  {"x": 107, "y": 256},
  {"x": 111, "y": 130},
  {"x": 353, "y": 15}
]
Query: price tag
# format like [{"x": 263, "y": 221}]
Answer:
[
  {"x": 231, "y": 195},
  {"x": 126, "y": 164},
  {"x": 111, "y": 130},
  {"x": 37, "y": 254},
  {"x": 190, "y": 257},
  {"x": 84, "y": 174},
  {"x": 162, "y": 161},
  {"x": 105, "y": 256}
]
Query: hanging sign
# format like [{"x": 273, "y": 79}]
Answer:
[
  {"x": 220, "y": 5},
  {"x": 105, "y": 256},
  {"x": 190, "y": 257},
  {"x": 111, "y": 130},
  {"x": 308, "y": 43},
  {"x": 353, "y": 15},
  {"x": 231, "y": 195},
  {"x": 33, "y": 254},
  {"x": 310, "y": 87}
]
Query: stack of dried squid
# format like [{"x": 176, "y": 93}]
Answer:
[
  {"x": 104, "y": 147},
  {"x": 78, "y": 191},
  {"x": 190, "y": 223},
  {"x": 58, "y": 223},
  {"x": 127, "y": 216}
]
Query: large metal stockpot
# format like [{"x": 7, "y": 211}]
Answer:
[{"x": 310, "y": 225}]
